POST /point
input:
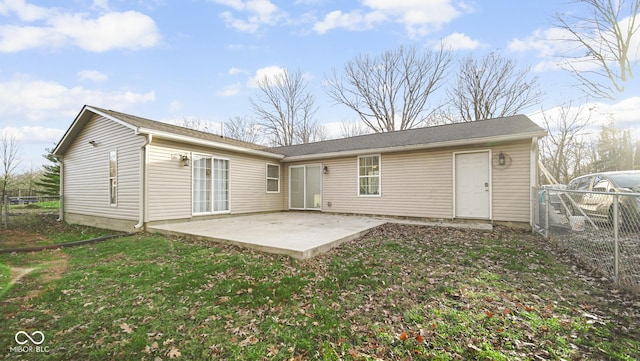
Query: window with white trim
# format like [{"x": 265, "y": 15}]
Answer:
[
  {"x": 113, "y": 177},
  {"x": 273, "y": 178},
  {"x": 369, "y": 175}
]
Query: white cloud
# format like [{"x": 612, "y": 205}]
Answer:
[
  {"x": 230, "y": 90},
  {"x": 259, "y": 13},
  {"x": 624, "y": 113},
  {"x": 557, "y": 50},
  {"x": 112, "y": 30},
  {"x": 267, "y": 72},
  {"x": 546, "y": 42},
  {"x": 92, "y": 75},
  {"x": 459, "y": 41},
  {"x": 100, "y": 4},
  {"x": 354, "y": 20},
  {"x": 20, "y": 38},
  {"x": 236, "y": 71},
  {"x": 126, "y": 30},
  {"x": 24, "y": 11},
  {"x": 34, "y": 134},
  {"x": 418, "y": 16},
  {"x": 37, "y": 100},
  {"x": 175, "y": 106},
  {"x": 235, "y": 4}
]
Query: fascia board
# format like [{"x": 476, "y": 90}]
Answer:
[
  {"x": 77, "y": 122},
  {"x": 404, "y": 148},
  {"x": 208, "y": 143}
]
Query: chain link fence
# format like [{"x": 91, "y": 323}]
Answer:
[
  {"x": 23, "y": 211},
  {"x": 601, "y": 229}
]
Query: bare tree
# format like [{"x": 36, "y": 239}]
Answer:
[
  {"x": 565, "y": 148},
  {"x": 9, "y": 149},
  {"x": 604, "y": 41},
  {"x": 492, "y": 87},
  {"x": 245, "y": 129},
  {"x": 198, "y": 124},
  {"x": 285, "y": 108},
  {"x": 614, "y": 149},
  {"x": 311, "y": 132},
  {"x": 353, "y": 128},
  {"x": 390, "y": 92}
]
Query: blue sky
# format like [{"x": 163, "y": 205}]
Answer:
[{"x": 198, "y": 59}]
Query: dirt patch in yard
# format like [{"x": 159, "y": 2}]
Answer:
[
  {"x": 47, "y": 272},
  {"x": 11, "y": 238}
]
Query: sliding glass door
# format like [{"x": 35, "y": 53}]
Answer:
[
  {"x": 201, "y": 185},
  {"x": 296, "y": 193},
  {"x": 210, "y": 185},
  {"x": 305, "y": 187},
  {"x": 220, "y": 185}
]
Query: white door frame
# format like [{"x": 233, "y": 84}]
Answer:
[
  {"x": 489, "y": 157},
  {"x": 304, "y": 185}
]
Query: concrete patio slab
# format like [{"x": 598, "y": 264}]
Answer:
[{"x": 298, "y": 234}]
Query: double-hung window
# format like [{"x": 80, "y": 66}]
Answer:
[
  {"x": 273, "y": 178},
  {"x": 369, "y": 175}
]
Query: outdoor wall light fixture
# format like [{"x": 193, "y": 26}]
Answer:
[
  {"x": 93, "y": 142},
  {"x": 501, "y": 158},
  {"x": 185, "y": 160},
  {"x": 325, "y": 170}
]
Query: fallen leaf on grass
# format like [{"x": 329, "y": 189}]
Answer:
[
  {"x": 148, "y": 349},
  {"x": 251, "y": 340},
  {"x": 273, "y": 350},
  {"x": 126, "y": 328},
  {"x": 173, "y": 353}
]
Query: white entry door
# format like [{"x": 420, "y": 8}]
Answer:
[
  {"x": 305, "y": 187},
  {"x": 472, "y": 185}
]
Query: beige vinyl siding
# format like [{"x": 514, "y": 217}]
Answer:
[
  {"x": 511, "y": 183},
  {"x": 411, "y": 185},
  {"x": 420, "y": 184},
  {"x": 86, "y": 171},
  {"x": 169, "y": 182}
]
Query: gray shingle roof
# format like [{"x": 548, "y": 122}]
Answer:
[
  {"x": 170, "y": 128},
  {"x": 506, "y": 127},
  {"x": 517, "y": 126}
]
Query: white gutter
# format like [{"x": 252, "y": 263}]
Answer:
[
  {"x": 404, "y": 148},
  {"x": 61, "y": 204},
  {"x": 533, "y": 179},
  {"x": 208, "y": 143},
  {"x": 144, "y": 150}
]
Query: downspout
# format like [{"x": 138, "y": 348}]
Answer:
[
  {"x": 533, "y": 181},
  {"x": 61, "y": 203},
  {"x": 144, "y": 150}
]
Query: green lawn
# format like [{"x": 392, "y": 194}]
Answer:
[
  {"x": 400, "y": 293},
  {"x": 5, "y": 273}
]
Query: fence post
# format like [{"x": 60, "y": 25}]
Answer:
[
  {"x": 616, "y": 239},
  {"x": 546, "y": 213},
  {"x": 5, "y": 219}
]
